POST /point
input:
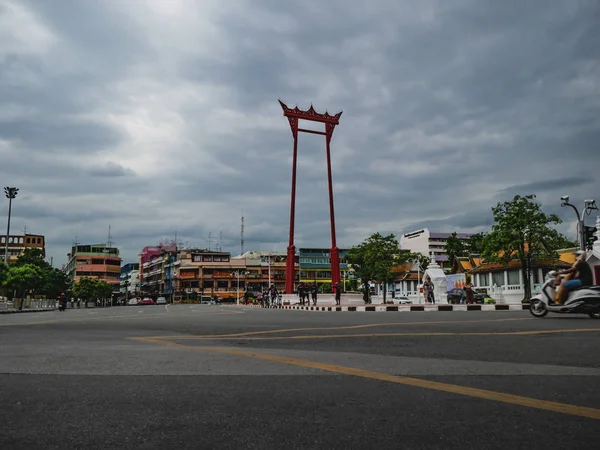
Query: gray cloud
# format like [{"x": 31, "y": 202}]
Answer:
[{"x": 162, "y": 117}]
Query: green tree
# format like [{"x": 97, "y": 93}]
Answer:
[
  {"x": 32, "y": 256},
  {"x": 102, "y": 290},
  {"x": 475, "y": 243},
  {"x": 23, "y": 279},
  {"x": 55, "y": 282},
  {"x": 456, "y": 247},
  {"x": 374, "y": 259},
  {"x": 521, "y": 231},
  {"x": 3, "y": 273},
  {"x": 85, "y": 289}
]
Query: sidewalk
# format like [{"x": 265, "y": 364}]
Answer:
[
  {"x": 27, "y": 310},
  {"x": 8, "y": 308},
  {"x": 408, "y": 308}
]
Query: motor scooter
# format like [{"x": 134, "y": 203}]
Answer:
[{"x": 583, "y": 300}]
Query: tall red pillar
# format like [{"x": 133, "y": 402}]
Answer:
[
  {"x": 330, "y": 121},
  {"x": 290, "y": 262},
  {"x": 334, "y": 252}
]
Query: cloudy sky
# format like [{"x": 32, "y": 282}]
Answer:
[{"x": 161, "y": 116}]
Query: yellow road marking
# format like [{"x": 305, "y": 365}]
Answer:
[
  {"x": 336, "y": 336},
  {"x": 131, "y": 316},
  {"x": 350, "y": 327},
  {"x": 563, "y": 408}
]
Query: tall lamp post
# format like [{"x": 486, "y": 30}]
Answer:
[
  {"x": 589, "y": 206},
  {"x": 237, "y": 274},
  {"x": 10, "y": 192},
  {"x": 417, "y": 261}
]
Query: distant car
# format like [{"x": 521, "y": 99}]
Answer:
[
  {"x": 147, "y": 301},
  {"x": 133, "y": 301},
  {"x": 161, "y": 301},
  {"x": 457, "y": 296}
]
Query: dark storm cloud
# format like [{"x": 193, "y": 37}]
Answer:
[
  {"x": 162, "y": 117},
  {"x": 110, "y": 169},
  {"x": 547, "y": 185},
  {"x": 48, "y": 134}
]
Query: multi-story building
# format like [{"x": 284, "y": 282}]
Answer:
[
  {"x": 425, "y": 242},
  {"x": 17, "y": 244},
  {"x": 264, "y": 269},
  {"x": 130, "y": 279},
  {"x": 315, "y": 265},
  {"x": 95, "y": 261},
  {"x": 158, "y": 272},
  {"x": 150, "y": 253},
  {"x": 209, "y": 272}
]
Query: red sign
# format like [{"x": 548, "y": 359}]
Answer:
[
  {"x": 187, "y": 274},
  {"x": 222, "y": 275}
]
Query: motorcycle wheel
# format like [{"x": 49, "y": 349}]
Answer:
[
  {"x": 594, "y": 315},
  {"x": 537, "y": 308}
]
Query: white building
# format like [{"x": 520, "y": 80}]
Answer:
[
  {"x": 130, "y": 282},
  {"x": 425, "y": 242}
]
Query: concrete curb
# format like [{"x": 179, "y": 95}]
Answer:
[
  {"x": 409, "y": 308},
  {"x": 16, "y": 311}
]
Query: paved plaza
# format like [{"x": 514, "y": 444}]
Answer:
[{"x": 228, "y": 377}]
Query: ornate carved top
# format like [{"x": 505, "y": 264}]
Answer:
[{"x": 310, "y": 114}]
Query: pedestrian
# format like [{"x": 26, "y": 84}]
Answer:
[
  {"x": 338, "y": 293},
  {"x": 313, "y": 292},
  {"x": 469, "y": 291},
  {"x": 301, "y": 293},
  {"x": 428, "y": 287}
]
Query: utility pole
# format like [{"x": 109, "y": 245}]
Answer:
[{"x": 10, "y": 192}]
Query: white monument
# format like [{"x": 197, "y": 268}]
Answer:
[{"x": 438, "y": 278}]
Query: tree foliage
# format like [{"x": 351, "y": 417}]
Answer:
[
  {"x": 31, "y": 274},
  {"x": 374, "y": 259},
  {"x": 90, "y": 289},
  {"x": 524, "y": 232},
  {"x": 457, "y": 247}
]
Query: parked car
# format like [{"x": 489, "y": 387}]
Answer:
[
  {"x": 401, "y": 300},
  {"x": 161, "y": 301},
  {"x": 133, "y": 301},
  {"x": 147, "y": 301},
  {"x": 457, "y": 296}
]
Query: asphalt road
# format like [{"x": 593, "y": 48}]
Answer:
[{"x": 204, "y": 377}]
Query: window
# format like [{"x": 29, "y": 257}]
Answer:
[
  {"x": 513, "y": 278},
  {"x": 39, "y": 240},
  {"x": 498, "y": 278},
  {"x": 29, "y": 240}
]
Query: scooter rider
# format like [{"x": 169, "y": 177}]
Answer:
[{"x": 583, "y": 277}]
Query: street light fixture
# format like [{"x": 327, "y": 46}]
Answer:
[
  {"x": 589, "y": 206},
  {"x": 10, "y": 192}
]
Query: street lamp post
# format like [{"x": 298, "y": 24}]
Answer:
[
  {"x": 417, "y": 261},
  {"x": 10, "y": 192},
  {"x": 237, "y": 274},
  {"x": 589, "y": 206}
]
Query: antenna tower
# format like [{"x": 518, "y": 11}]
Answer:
[
  {"x": 220, "y": 241},
  {"x": 209, "y": 239},
  {"x": 110, "y": 242},
  {"x": 242, "y": 235}
]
